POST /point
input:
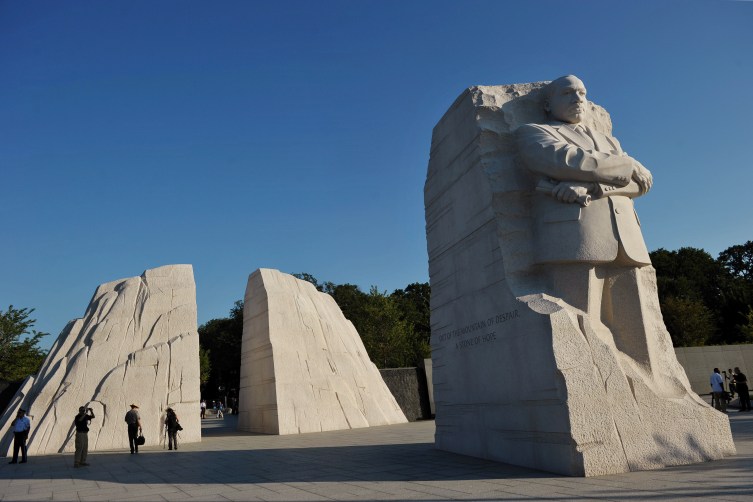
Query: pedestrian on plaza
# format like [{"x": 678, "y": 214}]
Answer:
[
  {"x": 20, "y": 426},
  {"x": 741, "y": 381},
  {"x": 172, "y": 426},
  {"x": 81, "y": 422},
  {"x": 717, "y": 391},
  {"x": 730, "y": 377},
  {"x": 203, "y": 408},
  {"x": 219, "y": 410},
  {"x": 133, "y": 419}
]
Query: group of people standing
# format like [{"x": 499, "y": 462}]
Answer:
[
  {"x": 135, "y": 438},
  {"x": 21, "y": 426},
  {"x": 218, "y": 407},
  {"x": 734, "y": 381},
  {"x": 724, "y": 385}
]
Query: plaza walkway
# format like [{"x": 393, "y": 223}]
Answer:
[{"x": 380, "y": 463}]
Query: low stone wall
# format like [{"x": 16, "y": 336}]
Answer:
[
  {"x": 408, "y": 386},
  {"x": 699, "y": 362}
]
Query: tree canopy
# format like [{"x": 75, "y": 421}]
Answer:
[
  {"x": 394, "y": 328},
  {"x": 706, "y": 301},
  {"x": 20, "y": 354},
  {"x": 220, "y": 353},
  {"x": 738, "y": 260}
]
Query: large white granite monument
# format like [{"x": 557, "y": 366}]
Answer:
[
  {"x": 548, "y": 345},
  {"x": 137, "y": 343},
  {"x": 303, "y": 365}
]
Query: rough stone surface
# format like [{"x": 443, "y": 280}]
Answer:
[
  {"x": 303, "y": 365},
  {"x": 137, "y": 343},
  {"x": 519, "y": 375}
]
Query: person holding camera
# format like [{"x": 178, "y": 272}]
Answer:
[
  {"x": 172, "y": 426},
  {"x": 81, "y": 422}
]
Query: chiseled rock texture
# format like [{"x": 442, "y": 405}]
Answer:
[
  {"x": 303, "y": 365},
  {"x": 520, "y": 376},
  {"x": 137, "y": 343}
]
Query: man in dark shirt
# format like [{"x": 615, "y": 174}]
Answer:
[
  {"x": 133, "y": 419},
  {"x": 741, "y": 382},
  {"x": 81, "y": 422}
]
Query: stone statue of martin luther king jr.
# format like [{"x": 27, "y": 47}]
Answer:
[{"x": 587, "y": 236}]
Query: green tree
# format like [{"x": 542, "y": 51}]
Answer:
[
  {"x": 221, "y": 339},
  {"x": 747, "y": 329},
  {"x": 689, "y": 273},
  {"x": 388, "y": 338},
  {"x": 737, "y": 293},
  {"x": 205, "y": 366},
  {"x": 734, "y": 307},
  {"x": 739, "y": 260},
  {"x": 310, "y": 278},
  {"x": 19, "y": 358},
  {"x": 414, "y": 305},
  {"x": 721, "y": 291},
  {"x": 352, "y": 302},
  {"x": 689, "y": 322},
  {"x": 394, "y": 328},
  {"x": 686, "y": 278}
]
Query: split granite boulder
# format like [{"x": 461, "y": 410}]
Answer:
[
  {"x": 304, "y": 367},
  {"x": 137, "y": 343}
]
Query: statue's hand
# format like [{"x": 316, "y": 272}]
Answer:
[
  {"x": 642, "y": 176},
  {"x": 567, "y": 191}
]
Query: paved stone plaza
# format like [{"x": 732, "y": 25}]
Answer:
[{"x": 396, "y": 462}]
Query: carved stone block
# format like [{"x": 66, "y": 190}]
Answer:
[
  {"x": 304, "y": 367},
  {"x": 520, "y": 375}
]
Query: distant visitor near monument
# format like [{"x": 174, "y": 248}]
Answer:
[{"x": 549, "y": 349}]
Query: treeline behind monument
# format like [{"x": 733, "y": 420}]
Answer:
[
  {"x": 704, "y": 301},
  {"x": 394, "y": 329}
]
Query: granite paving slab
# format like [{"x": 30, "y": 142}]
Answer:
[{"x": 394, "y": 462}]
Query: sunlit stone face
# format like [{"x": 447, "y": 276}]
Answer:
[{"x": 567, "y": 100}]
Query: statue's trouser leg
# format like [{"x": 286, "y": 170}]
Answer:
[{"x": 611, "y": 297}]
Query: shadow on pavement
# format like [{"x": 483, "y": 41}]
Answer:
[{"x": 223, "y": 461}]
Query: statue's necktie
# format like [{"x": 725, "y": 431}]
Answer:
[{"x": 585, "y": 133}]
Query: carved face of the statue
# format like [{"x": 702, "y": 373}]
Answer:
[{"x": 567, "y": 101}]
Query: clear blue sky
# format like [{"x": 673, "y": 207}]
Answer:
[{"x": 295, "y": 135}]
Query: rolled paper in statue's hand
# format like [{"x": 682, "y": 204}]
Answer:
[{"x": 548, "y": 187}]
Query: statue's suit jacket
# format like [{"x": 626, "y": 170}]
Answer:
[{"x": 567, "y": 232}]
